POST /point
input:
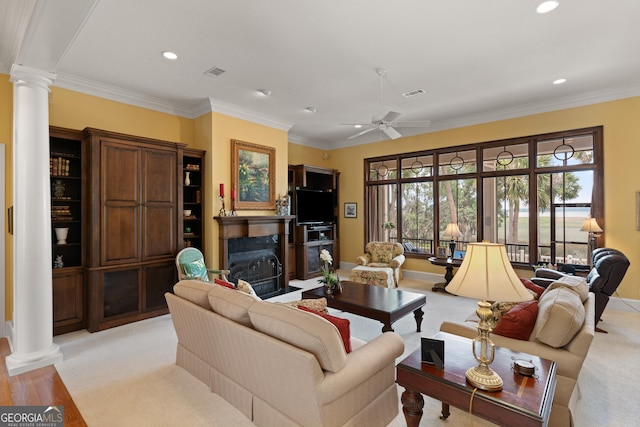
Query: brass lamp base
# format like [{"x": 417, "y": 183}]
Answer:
[{"x": 484, "y": 378}]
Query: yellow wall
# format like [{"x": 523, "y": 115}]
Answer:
[
  {"x": 621, "y": 180},
  {"x": 221, "y": 129},
  {"x": 74, "y": 110}
]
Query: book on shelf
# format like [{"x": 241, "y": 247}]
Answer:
[{"x": 58, "y": 166}]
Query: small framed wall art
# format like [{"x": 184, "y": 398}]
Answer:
[{"x": 351, "y": 210}]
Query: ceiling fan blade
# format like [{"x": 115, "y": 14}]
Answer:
[
  {"x": 391, "y": 116},
  {"x": 391, "y": 132},
  {"x": 361, "y": 133},
  {"x": 413, "y": 124}
]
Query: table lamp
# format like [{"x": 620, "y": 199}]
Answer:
[
  {"x": 591, "y": 226},
  {"x": 486, "y": 274},
  {"x": 452, "y": 231}
]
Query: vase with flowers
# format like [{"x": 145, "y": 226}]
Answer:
[{"x": 329, "y": 277}]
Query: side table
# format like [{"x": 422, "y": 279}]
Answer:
[
  {"x": 523, "y": 401},
  {"x": 449, "y": 265}
]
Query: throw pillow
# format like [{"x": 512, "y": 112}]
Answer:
[
  {"x": 537, "y": 289},
  {"x": 576, "y": 284},
  {"x": 343, "y": 325},
  {"x": 224, "y": 283},
  {"x": 316, "y": 304},
  {"x": 195, "y": 270},
  {"x": 246, "y": 288},
  {"x": 560, "y": 316},
  {"x": 518, "y": 322},
  {"x": 498, "y": 309}
]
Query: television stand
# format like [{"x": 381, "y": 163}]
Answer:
[{"x": 310, "y": 241}]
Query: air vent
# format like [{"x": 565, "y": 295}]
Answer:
[
  {"x": 215, "y": 71},
  {"x": 413, "y": 93}
]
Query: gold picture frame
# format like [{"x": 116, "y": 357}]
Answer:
[{"x": 253, "y": 169}]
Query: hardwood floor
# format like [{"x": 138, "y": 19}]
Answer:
[{"x": 38, "y": 387}]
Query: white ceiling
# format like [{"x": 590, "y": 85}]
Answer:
[{"x": 477, "y": 61}]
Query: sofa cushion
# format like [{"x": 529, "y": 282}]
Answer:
[
  {"x": 575, "y": 283},
  {"x": 195, "y": 291},
  {"x": 231, "y": 304},
  {"x": 343, "y": 325},
  {"x": 310, "y": 333},
  {"x": 518, "y": 323},
  {"x": 560, "y": 316},
  {"x": 537, "y": 289}
]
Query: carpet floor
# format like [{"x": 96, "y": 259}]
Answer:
[{"x": 126, "y": 376}]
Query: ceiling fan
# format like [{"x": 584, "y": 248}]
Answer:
[{"x": 386, "y": 123}]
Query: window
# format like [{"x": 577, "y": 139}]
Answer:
[{"x": 531, "y": 194}]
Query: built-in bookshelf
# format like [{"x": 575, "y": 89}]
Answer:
[
  {"x": 66, "y": 171},
  {"x": 193, "y": 193}
]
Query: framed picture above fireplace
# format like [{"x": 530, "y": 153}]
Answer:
[{"x": 253, "y": 169}]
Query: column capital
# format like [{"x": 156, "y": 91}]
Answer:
[{"x": 21, "y": 73}]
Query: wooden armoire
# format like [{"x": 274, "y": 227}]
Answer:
[{"x": 134, "y": 195}]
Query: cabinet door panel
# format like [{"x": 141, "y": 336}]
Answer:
[
  {"x": 159, "y": 176},
  {"x": 160, "y": 231},
  {"x": 158, "y": 279},
  {"x": 120, "y": 292},
  {"x": 120, "y": 238},
  {"x": 120, "y": 173},
  {"x": 68, "y": 298}
]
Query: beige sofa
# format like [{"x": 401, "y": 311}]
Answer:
[
  {"x": 554, "y": 324},
  {"x": 279, "y": 365}
]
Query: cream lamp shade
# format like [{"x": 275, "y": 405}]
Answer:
[
  {"x": 452, "y": 231},
  {"x": 591, "y": 225},
  {"x": 486, "y": 274}
]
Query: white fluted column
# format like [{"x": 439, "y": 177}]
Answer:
[{"x": 32, "y": 335}]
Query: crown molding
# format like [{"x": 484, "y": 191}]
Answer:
[
  {"x": 124, "y": 96},
  {"x": 216, "y": 106}
]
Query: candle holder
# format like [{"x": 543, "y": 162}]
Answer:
[
  {"x": 223, "y": 211},
  {"x": 233, "y": 207}
]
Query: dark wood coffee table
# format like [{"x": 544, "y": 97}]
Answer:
[
  {"x": 374, "y": 302},
  {"x": 523, "y": 401}
]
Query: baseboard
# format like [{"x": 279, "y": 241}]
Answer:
[{"x": 623, "y": 304}]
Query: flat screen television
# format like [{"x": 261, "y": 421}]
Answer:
[{"x": 313, "y": 207}]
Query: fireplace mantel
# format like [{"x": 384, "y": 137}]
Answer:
[{"x": 235, "y": 227}]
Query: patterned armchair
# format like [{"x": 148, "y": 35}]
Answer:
[
  {"x": 379, "y": 265},
  {"x": 191, "y": 266}
]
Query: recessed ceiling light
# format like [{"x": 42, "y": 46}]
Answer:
[
  {"x": 265, "y": 92},
  {"x": 547, "y": 6},
  {"x": 357, "y": 126},
  {"x": 311, "y": 109},
  {"x": 169, "y": 55},
  {"x": 559, "y": 81}
]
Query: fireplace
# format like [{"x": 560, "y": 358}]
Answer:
[
  {"x": 254, "y": 248},
  {"x": 255, "y": 260}
]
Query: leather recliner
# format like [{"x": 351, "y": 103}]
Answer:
[{"x": 609, "y": 268}]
